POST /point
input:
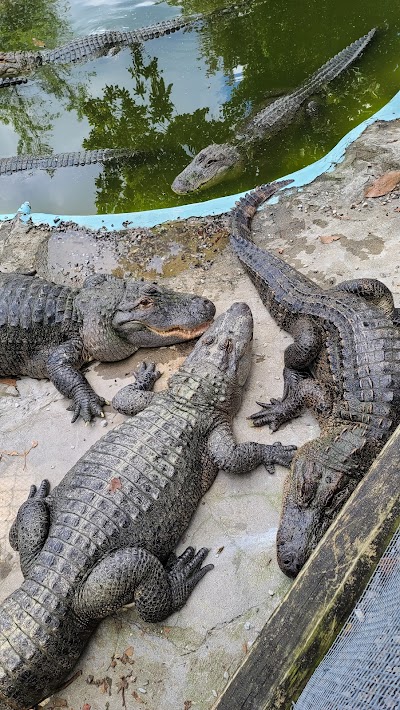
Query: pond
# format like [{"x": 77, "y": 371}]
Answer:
[{"x": 172, "y": 96}]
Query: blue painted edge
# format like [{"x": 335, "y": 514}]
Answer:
[{"x": 111, "y": 222}]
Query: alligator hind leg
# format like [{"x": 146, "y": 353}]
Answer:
[
  {"x": 30, "y": 529},
  {"x": 134, "y": 574},
  {"x": 308, "y": 393},
  {"x": 371, "y": 290},
  {"x": 298, "y": 358}
]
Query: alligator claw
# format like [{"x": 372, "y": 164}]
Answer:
[{"x": 87, "y": 406}]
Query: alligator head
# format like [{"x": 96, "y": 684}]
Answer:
[
  {"x": 313, "y": 494},
  {"x": 220, "y": 361},
  {"x": 121, "y": 316},
  {"x": 207, "y": 167}
]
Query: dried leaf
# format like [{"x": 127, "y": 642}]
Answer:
[
  {"x": 384, "y": 184},
  {"x": 38, "y": 42},
  {"x": 86, "y": 706},
  {"x": 220, "y": 549},
  {"x": 115, "y": 484},
  {"x": 129, "y": 651},
  {"x": 187, "y": 705},
  {"x": 137, "y": 697},
  {"x": 329, "y": 238},
  {"x": 11, "y": 381}
]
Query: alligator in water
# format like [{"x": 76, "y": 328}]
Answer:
[
  {"x": 213, "y": 163},
  {"x": 91, "y": 547},
  {"x": 47, "y": 330},
  {"x": 344, "y": 364},
  {"x": 86, "y": 48},
  {"x": 92, "y": 46},
  {"x": 19, "y": 163}
]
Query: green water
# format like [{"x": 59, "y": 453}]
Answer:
[{"x": 175, "y": 95}]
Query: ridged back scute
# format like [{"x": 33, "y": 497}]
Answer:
[
  {"x": 335, "y": 66},
  {"x": 27, "y": 301}
]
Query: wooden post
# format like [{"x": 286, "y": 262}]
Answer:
[{"x": 303, "y": 627}]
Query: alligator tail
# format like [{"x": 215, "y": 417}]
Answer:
[
  {"x": 18, "y": 163},
  {"x": 277, "y": 282},
  {"x": 12, "y": 81},
  {"x": 244, "y": 210},
  {"x": 334, "y": 66}
]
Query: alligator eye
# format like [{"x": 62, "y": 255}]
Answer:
[{"x": 144, "y": 303}]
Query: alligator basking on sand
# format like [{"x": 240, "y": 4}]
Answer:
[
  {"x": 91, "y": 546},
  {"x": 214, "y": 162},
  {"x": 344, "y": 364},
  {"x": 86, "y": 48},
  {"x": 47, "y": 330},
  {"x": 19, "y": 163}
]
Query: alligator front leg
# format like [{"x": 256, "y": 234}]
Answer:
[
  {"x": 30, "y": 529},
  {"x": 225, "y": 453},
  {"x": 134, "y": 574},
  {"x": 135, "y": 397},
  {"x": 63, "y": 370}
]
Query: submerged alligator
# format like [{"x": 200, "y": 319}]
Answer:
[
  {"x": 212, "y": 163},
  {"x": 87, "y": 549},
  {"x": 344, "y": 364},
  {"x": 19, "y": 163},
  {"x": 50, "y": 331},
  {"x": 86, "y": 48}
]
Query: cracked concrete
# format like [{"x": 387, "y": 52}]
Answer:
[{"x": 186, "y": 661}]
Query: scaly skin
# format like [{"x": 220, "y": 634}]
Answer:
[
  {"x": 344, "y": 364},
  {"x": 50, "y": 331},
  {"x": 19, "y": 163},
  {"x": 89, "y": 548},
  {"x": 216, "y": 160},
  {"x": 89, "y": 47}
]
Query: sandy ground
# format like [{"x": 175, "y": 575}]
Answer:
[{"x": 186, "y": 662}]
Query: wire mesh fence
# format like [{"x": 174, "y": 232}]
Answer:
[{"x": 361, "y": 671}]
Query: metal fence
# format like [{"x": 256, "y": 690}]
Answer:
[{"x": 361, "y": 671}]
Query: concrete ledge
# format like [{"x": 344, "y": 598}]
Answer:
[{"x": 304, "y": 626}]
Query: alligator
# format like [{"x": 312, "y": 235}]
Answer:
[
  {"x": 91, "y": 46},
  {"x": 212, "y": 164},
  {"x": 106, "y": 535},
  {"x": 50, "y": 331},
  {"x": 19, "y": 163},
  {"x": 85, "y": 48},
  {"x": 344, "y": 364}
]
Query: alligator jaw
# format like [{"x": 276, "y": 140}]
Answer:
[
  {"x": 183, "y": 333},
  {"x": 207, "y": 167}
]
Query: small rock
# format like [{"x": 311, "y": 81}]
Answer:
[
  {"x": 215, "y": 694},
  {"x": 247, "y": 625},
  {"x": 271, "y": 592},
  {"x": 142, "y": 690}
]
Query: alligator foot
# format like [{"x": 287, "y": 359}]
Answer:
[
  {"x": 145, "y": 376},
  {"x": 272, "y": 413},
  {"x": 185, "y": 573},
  {"x": 86, "y": 404},
  {"x": 31, "y": 526}
]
